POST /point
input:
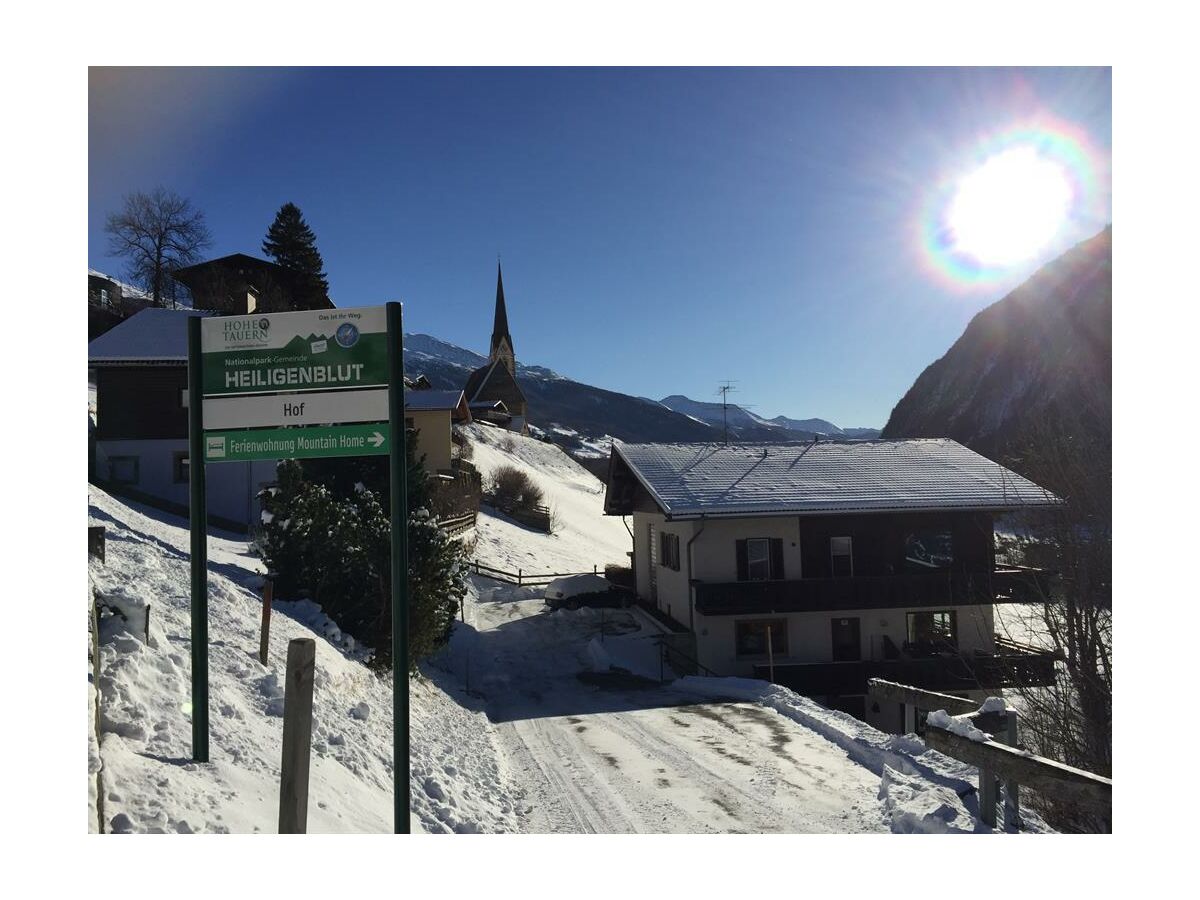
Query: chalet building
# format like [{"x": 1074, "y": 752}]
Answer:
[
  {"x": 498, "y": 379},
  {"x": 139, "y": 446},
  {"x": 858, "y": 559},
  {"x": 434, "y": 414},
  {"x": 239, "y": 284}
]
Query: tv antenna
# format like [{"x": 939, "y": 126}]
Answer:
[{"x": 724, "y": 390}]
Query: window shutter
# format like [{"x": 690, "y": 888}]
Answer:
[
  {"x": 743, "y": 567},
  {"x": 777, "y": 559}
]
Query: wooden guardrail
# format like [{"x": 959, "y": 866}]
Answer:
[{"x": 997, "y": 759}]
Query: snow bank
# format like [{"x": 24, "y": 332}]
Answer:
[
  {"x": 921, "y": 789},
  {"x": 150, "y": 783}
]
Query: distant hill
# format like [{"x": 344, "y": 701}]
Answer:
[
  {"x": 1036, "y": 363},
  {"x": 584, "y": 419}
]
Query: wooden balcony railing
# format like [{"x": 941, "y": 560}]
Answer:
[{"x": 912, "y": 590}]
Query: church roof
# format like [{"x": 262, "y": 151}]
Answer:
[{"x": 494, "y": 382}]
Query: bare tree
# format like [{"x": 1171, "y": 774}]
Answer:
[
  {"x": 157, "y": 233},
  {"x": 1071, "y": 720}
]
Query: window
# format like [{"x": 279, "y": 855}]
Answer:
[
  {"x": 932, "y": 628},
  {"x": 104, "y": 296},
  {"x": 841, "y": 551},
  {"x": 928, "y": 549},
  {"x": 751, "y": 637},
  {"x": 760, "y": 559},
  {"x": 180, "y": 467},
  {"x": 669, "y": 550},
  {"x": 123, "y": 469}
]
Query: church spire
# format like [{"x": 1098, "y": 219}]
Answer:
[{"x": 502, "y": 345}]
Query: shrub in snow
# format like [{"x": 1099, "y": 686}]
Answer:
[
  {"x": 336, "y": 550},
  {"x": 512, "y": 488}
]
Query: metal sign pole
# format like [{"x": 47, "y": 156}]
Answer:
[
  {"x": 399, "y": 502},
  {"x": 199, "y": 520}
]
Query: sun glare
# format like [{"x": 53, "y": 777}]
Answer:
[
  {"x": 1009, "y": 208},
  {"x": 1026, "y": 188}
]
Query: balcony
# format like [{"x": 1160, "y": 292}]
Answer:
[
  {"x": 912, "y": 590},
  {"x": 1012, "y": 665}
]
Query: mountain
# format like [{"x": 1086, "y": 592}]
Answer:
[
  {"x": 1034, "y": 366},
  {"x": 746, "y": 426},
  {"x": 821, "y": 426},
  {"x": 580, "y": 417},
  {"x": 584, "y": 419}
]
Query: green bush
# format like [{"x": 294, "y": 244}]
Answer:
[{"x": 333, "y": 544}]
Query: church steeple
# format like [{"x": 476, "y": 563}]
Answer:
[{"x": 502, "y": 345}]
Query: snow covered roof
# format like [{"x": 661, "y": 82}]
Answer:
[
  {"x": 432, "y": 400},
  {"x": 150, "y": 336},
  {"x": 690, "y": 480}
]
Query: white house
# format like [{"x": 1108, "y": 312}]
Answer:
[{"x": 858, "y": 559}]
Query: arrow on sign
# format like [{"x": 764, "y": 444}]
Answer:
[{"x": 376, "y": 439}]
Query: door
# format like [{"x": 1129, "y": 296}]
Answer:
[{"x": 847, "y": 643}]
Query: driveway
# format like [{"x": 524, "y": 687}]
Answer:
[{"x": 598, "y": 753}]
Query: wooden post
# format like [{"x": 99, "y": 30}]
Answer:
[
  {"x": 518, "y": 577},
  {"x": 1012, "y": 791},
  {"x": 910, "y": 718},
  {"x": 987, "y": 797},
  {"x": 770, "y": 656},
  {"x": 264, "y": 637},
  {"x": 297, "y": 736},
  {"x": 96, "y": 541}
]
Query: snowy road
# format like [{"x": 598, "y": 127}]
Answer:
[{"x": 598, "y": 754}]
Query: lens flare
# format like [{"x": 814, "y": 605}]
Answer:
[{"x": 1016, "y": 195}]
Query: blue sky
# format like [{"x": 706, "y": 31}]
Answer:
[{"x": 662, "y": 230}]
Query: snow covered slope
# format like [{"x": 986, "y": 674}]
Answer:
[
  {"x": 583, "y": 536},
  {"x": 148, "y": 780}
]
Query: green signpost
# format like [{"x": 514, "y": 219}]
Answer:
[{"x": 239, "y": 370}]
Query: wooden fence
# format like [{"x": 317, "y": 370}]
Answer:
[
  {"x": 996, "y": 759},
  {"x": 456, "y": 525},
  {"x": 521, "y": 578}
]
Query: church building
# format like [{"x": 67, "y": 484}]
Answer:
[{"x": 497, "y": 381}]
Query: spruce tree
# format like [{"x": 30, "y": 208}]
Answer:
[
  {"x": 327, "y": 535},
  {"x": 290, "y": 242}
]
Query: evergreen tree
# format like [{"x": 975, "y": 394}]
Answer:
[
  {"x": 332, "y": 543},
  {"x": 290, "y": 242}
]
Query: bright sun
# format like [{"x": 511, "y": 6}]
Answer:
[{"x": 1009, "y": 208}]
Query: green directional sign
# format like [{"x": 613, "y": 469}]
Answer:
[
  {"x": 297, "y": 443},
  {"x": 311, "y": 350}
]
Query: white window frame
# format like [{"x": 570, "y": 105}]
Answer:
[{"x": 766, "y": 560}]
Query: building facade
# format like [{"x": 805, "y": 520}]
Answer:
[{"x": 818, "y": 566}]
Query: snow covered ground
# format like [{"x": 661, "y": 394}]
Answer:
[
  {"x": 529, "y": 721},
  {"x": 148, "y": 779}
]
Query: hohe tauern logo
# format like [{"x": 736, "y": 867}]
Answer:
[{"x": 346, "y": 335}]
